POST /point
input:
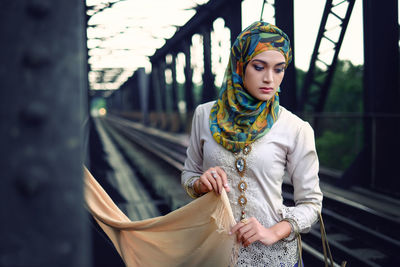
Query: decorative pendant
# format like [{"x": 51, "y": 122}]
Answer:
[
  {"x": 242, "y": 186},
  {"x": 243, "y": 216},
  {"x": 246, "y": 149},
  {"x": 242, "y": 200},
  {"x": 240, "y": 165}
]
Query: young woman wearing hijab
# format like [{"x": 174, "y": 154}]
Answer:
[{"x": 245, "y": 141}]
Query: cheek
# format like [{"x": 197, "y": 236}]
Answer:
[
  {"x": 279, "y": 78},
  {"x": 247, "y": 79}
]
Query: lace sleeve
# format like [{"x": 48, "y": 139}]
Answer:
[{"x": 302, "y": 167}]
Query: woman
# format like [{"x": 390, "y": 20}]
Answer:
[{"x": 244, "y": 143}]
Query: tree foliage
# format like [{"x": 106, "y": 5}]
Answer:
[{"x": 339, "y": 136}]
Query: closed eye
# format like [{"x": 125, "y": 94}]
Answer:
[{"x": 258, "y": 67}]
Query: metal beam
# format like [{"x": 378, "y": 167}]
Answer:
[
  {"x": 43, "y": 101},
  {"x": 208, "y": 78},
  {"x": 174, "y": 86},
  {"x": 188, "y": 78},
  {"x": 381, "y": 96},
  {"x": 376, "y": 165},
  {"x": 310, "y": 79},
  {"x": 284, "y": 16},
  {"x": 233, "y": 18},
  {"x": 205, "y": 14}
]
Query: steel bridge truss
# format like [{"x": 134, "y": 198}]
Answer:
[{"x": 317, "y": 81}]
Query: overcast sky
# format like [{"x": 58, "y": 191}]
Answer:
[{"x": 134, "y": 29}]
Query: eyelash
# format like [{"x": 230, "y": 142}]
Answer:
[{"x": 259, "y": 68}]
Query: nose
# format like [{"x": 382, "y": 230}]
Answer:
[{"x": 268, "y": 76}]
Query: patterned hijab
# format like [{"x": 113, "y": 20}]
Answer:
[{"x": 238, "y": 119}]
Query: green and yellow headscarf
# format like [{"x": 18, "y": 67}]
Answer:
[{"x": 238, "y": 119}]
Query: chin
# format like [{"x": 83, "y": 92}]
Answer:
[{"x": 264, "y": 98}]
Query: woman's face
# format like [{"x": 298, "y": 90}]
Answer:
[{"x": 264, "y": 74}]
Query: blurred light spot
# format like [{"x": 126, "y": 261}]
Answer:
[{"x": 102, "y": 111}]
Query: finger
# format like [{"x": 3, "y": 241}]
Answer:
[
  {"x": 239, "y": 225},
  {"x": 218, "y": 180},
  {"x": 203, "y": 188},
  {"x": 236, "y": 227},
  {"x": 224, "y": 178},
  {"x": 247, "y": 235},
  {"x": 197, "y": 186},
  {"x": 212, "y": 181},
  {"x": 242, "y": 231},
  {"x": 204, "y": 181},
  {"x": 250, "y": 240}
]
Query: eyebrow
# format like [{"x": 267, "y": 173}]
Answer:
[{"x": 266, "y": 63}]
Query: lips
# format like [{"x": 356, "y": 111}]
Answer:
[{"x": 266, "y": 90}]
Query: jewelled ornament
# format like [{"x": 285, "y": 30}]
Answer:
[{"x": 240, "y": 165}]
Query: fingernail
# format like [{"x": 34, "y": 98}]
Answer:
[
  {"x": 226, "y": 185},
  {"x": 230, "y": 233}
]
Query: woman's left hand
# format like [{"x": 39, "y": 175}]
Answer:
[{"x": 250, "y": 230}]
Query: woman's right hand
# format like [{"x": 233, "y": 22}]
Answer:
[{"x": 214, "y": 179}]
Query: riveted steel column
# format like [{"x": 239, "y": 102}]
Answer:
[
  {"x": 381, "y": 95},
  {"x": 208, "y": 78},
  {"x": 188, "y": 86},
  {"x": 117, "y": 100},
  {"x": 155, "y": 72},
  {"x": 163, "y": 93},
  {"x": 131, "y": 94},
  {"x": 174, "y": 84},
  {"x": 175, "y": 119},
  {"x": 233, "y": 18},
  {"x": 152, "y": 100},
  {"x": 284, "y": 16},
  {"x": 142, "y": 93},
  {"x": 188, "y": 78},
  {"x": 43, "y": 102}
]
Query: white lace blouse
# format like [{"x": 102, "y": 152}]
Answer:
[{"x": 287, "y": 149}]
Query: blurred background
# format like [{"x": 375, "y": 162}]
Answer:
[{"x": 113, "y": 85}]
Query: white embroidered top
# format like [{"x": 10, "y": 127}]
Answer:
[{"x": 287, "y": 149}]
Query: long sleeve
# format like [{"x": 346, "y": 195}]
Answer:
[
  {"x": 193, "y": 167},
  {"x": 302, "y": 167}
]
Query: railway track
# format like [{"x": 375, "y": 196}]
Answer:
[{"x": 360, "y": 235}]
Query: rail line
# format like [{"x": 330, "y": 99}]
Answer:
[{"x": 360, "y": 235}]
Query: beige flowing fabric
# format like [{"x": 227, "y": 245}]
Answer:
[{"x": 194, "y": 235}]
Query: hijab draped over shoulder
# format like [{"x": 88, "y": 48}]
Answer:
[{"x": 238, "y": 119}]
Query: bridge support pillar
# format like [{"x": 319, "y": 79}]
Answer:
[
  {"x": 43, "y": 100},
  {"x": 284, "y": 15},
  {"x": 188, "y": 85},
  {"x": 376, "y": 166},
  {"x": 209, "y": 92}
]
